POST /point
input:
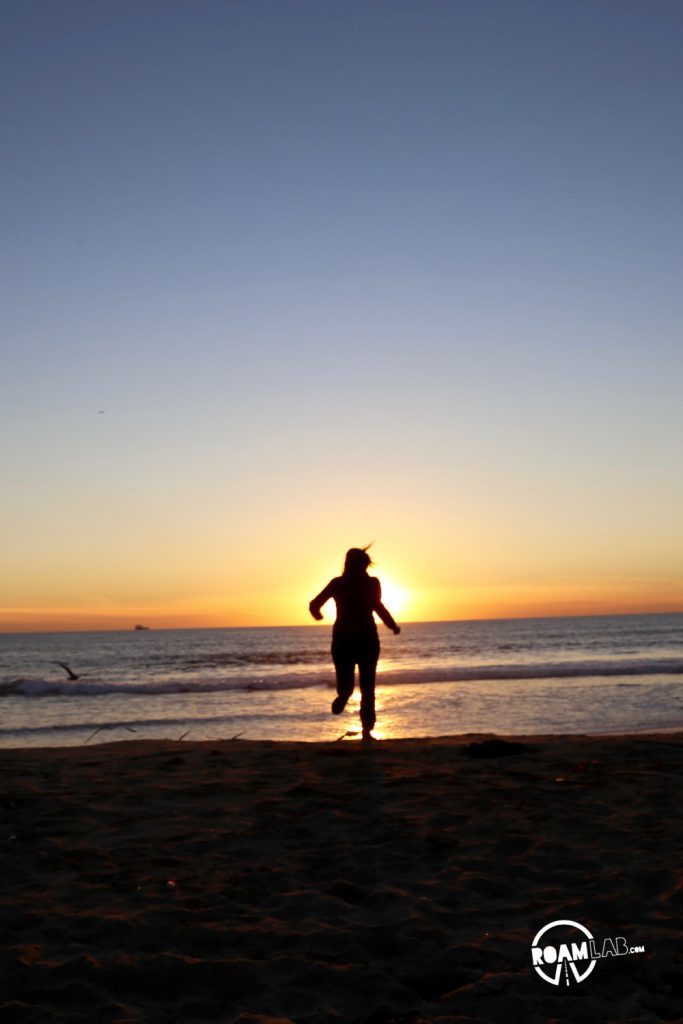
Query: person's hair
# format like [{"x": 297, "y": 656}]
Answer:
[{"x": 357, "y": 561}]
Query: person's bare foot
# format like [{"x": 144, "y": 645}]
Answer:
[{"x": 338, "y": 705}]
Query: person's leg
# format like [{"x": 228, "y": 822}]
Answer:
[
  {"x": 344, "y": 666},
  {"x": 367, "y": 669}
]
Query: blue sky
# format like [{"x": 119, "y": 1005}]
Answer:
[{"x": 408, "y": 270}]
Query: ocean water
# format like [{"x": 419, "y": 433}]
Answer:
[{"x": 560, "y": 675}]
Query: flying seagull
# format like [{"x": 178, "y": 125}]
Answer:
[{"x": 72, "y": 675}]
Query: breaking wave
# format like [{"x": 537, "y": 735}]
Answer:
[{"x": 291, "y": 681}]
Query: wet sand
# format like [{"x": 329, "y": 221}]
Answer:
[{"x": 401, "y": 881}]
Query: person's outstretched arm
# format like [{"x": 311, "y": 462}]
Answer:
[
  {"x": 384, "y": 614},
  {"x": 317, "y": 602}
]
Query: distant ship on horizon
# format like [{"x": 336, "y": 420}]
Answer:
[{"x": 138, "y": 627}]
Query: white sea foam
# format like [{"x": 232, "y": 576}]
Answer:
[{"x": 605, "y": 668}]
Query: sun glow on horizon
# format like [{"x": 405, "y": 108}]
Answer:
[{"x": 395, "y": 598}]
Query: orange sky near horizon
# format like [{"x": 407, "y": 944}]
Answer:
[
  {"x": 408, "y": 603},
  {"x": 447, "y": 554},
  {"x": 195, "y": 558}
]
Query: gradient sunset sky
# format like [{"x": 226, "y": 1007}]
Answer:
[{"x": 280, "y": 278}]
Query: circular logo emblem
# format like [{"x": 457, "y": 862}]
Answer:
[{"x": 565, "y": 953}]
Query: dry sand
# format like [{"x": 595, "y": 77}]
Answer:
[{"x": 401, "y": 881}]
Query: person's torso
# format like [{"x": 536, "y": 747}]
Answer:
[{"x": 355, "y": 597}]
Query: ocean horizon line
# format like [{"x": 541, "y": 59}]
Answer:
[{"x": 329, "y": 621}]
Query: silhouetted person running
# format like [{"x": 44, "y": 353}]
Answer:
[{"x": 354, "y": 635}]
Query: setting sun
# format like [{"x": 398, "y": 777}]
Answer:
[{"x": 394, "y": 597}]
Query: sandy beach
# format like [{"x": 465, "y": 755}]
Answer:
[{"x": 400, "y": 881}]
